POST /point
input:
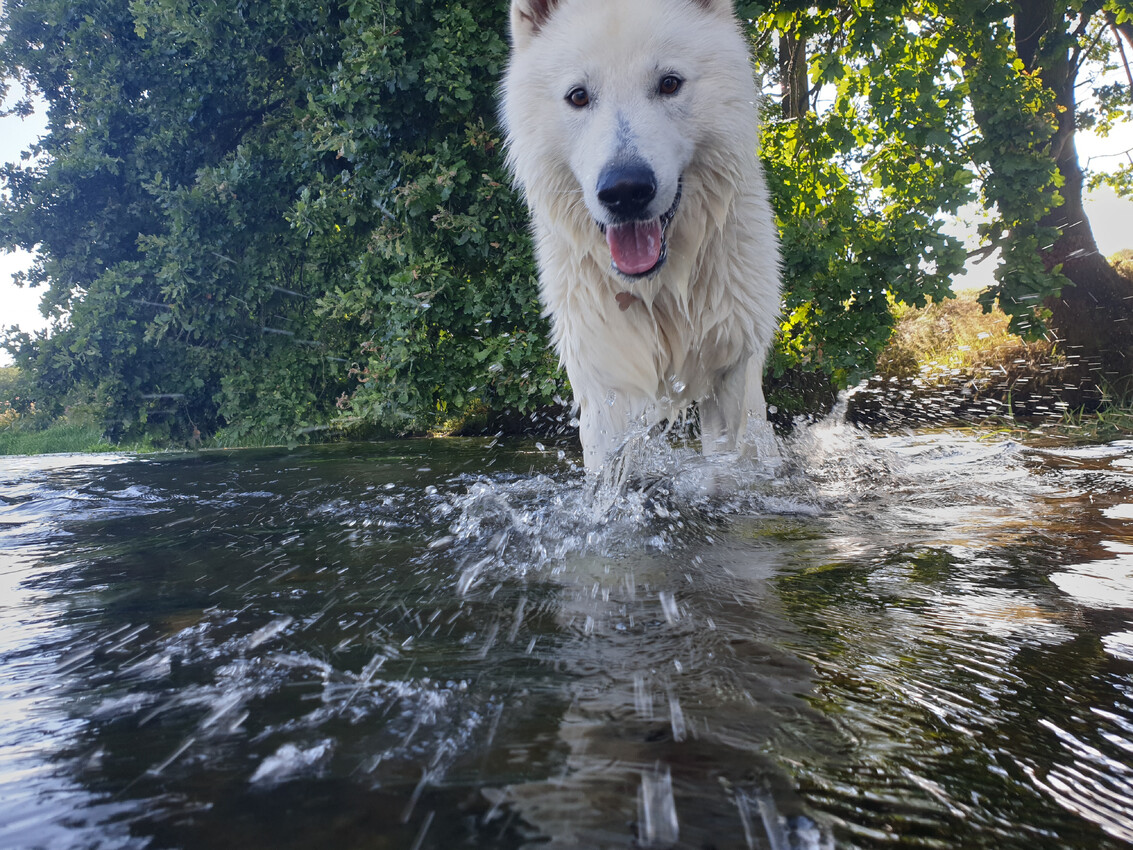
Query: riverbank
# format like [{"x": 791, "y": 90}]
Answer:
[
  {"x": 951, "y": 364},
  {"x": 948, "y": 365}
]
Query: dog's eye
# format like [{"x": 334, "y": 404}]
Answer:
[
  {"x": 578, "y": 97},
  {"x": 670, "y": 84}
]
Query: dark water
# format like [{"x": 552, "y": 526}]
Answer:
[{"x": 922, "y": 641}]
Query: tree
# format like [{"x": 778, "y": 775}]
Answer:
[
  {"x": 956, "y": 92},
  {"x": 181, "y": 298},
  {"x": 441, "y": 286},
  {"x": 863, "y": 186},
  {"x": 255, "y": 215},
  {"x": 1091, "y": 313}
]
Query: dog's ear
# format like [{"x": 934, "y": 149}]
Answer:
[
  {"x": 724, "y": 8},
  {"x": 528, "y": 17}
]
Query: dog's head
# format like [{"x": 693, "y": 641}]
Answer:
[{"x": 625, "y": 102}]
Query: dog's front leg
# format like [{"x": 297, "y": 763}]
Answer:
[
  {"x": 601, "y": 429},
  {"x": 723, "y": 415},
  {"x": 735, "y": 415}
]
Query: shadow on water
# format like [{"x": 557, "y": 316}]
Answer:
[{"x": 917, "y": 641}]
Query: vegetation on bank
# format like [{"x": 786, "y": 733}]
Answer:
[
  {"x": 26, "y": 429},
  {"x": 947, "y": 364},
  {"x": 277, "y": 221},
  {"x": 954, "y": 364},
  {"x": 59, "y": 438}
]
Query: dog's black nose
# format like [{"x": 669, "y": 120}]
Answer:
[{"x": 626, "y": 190}]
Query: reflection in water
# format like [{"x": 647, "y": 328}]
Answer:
[
  {"x": 1105, "y": 583},
  {"x": 909, "y": 641}
]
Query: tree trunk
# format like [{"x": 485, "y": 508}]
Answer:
[
  {"x": 1092, "y": 318},
  {"x": 793, "y": 75}
]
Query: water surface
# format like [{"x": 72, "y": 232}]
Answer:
[{"x": 919, "y": 641}]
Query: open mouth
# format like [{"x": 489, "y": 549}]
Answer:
[{"x": 639, "y": 248}]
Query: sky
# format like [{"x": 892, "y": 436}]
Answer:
[
  {"x": 18, "y": 305},
  {"x": 1110, "y": 216}
]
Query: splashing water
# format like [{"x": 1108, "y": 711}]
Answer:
[
  {"x": 916, "y": 640},
  {"x": 657, "y": 814}
]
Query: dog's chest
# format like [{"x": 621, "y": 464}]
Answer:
[{"x": 690, "y": 345}]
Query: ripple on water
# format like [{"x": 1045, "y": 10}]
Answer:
[{"x": 915, "y": 640}]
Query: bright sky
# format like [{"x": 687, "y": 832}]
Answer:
[
  {"x": 18, "y": 305},
  {"x": 1110, "y": 216}
]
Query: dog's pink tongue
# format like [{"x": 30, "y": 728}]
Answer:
[{"x": 636, "y": 246}]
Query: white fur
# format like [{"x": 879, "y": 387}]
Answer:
[{"x": 702, "y": 326}]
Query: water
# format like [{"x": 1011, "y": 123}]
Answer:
[{"x": 918, "y": 641}]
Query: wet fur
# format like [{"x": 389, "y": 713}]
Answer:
[{"x": 642, "y": 349}]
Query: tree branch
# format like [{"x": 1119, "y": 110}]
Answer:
[
  {"x": 1119, "y": 30},
  {"x": 1126, "y": 29}
]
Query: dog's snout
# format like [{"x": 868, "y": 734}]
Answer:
[{"x": 626, "y": 190}]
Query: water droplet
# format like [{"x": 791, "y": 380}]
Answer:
[
  {"x": 642, "y": 699},
  {"x": 469, "y": 575},
  {"x": 517, "y": 619},
  {"x": 656, "y": 811},
  {"x": 266, "y": 633},
  {"x": 676, "y": 718},
  {"x": 289, "y": 761},
  {"x": 489, "y": 641}
]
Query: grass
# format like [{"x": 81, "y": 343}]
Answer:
[
  {"x": 956, "y": 337},
  {"x": 952, "y": 364},
  {"x": 1112, "y": 421},
  {"x": 26, "y": 431},
  {"x": 61, "y": 437}
]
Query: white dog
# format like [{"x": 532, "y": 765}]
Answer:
[{"x": 632, "y": 131}]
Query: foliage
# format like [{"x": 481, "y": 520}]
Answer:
[
  {"x": 441, "y": 287},
  {"x": 16, "y": 392},
  {"x": 26, "y": 428},
  {"x": 859, "y": 187},
  {"x": 62, "y": 437},
  {"x": 1016, "y": 118},
  {"x": 916, "y": 107},
  {"x": 255, "y": 216},
  {"x": 158, "y": 205}
]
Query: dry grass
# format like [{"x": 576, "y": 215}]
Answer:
[
  {"x": 952, "y": 363},
  {"x": 957, "y": 337}
]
